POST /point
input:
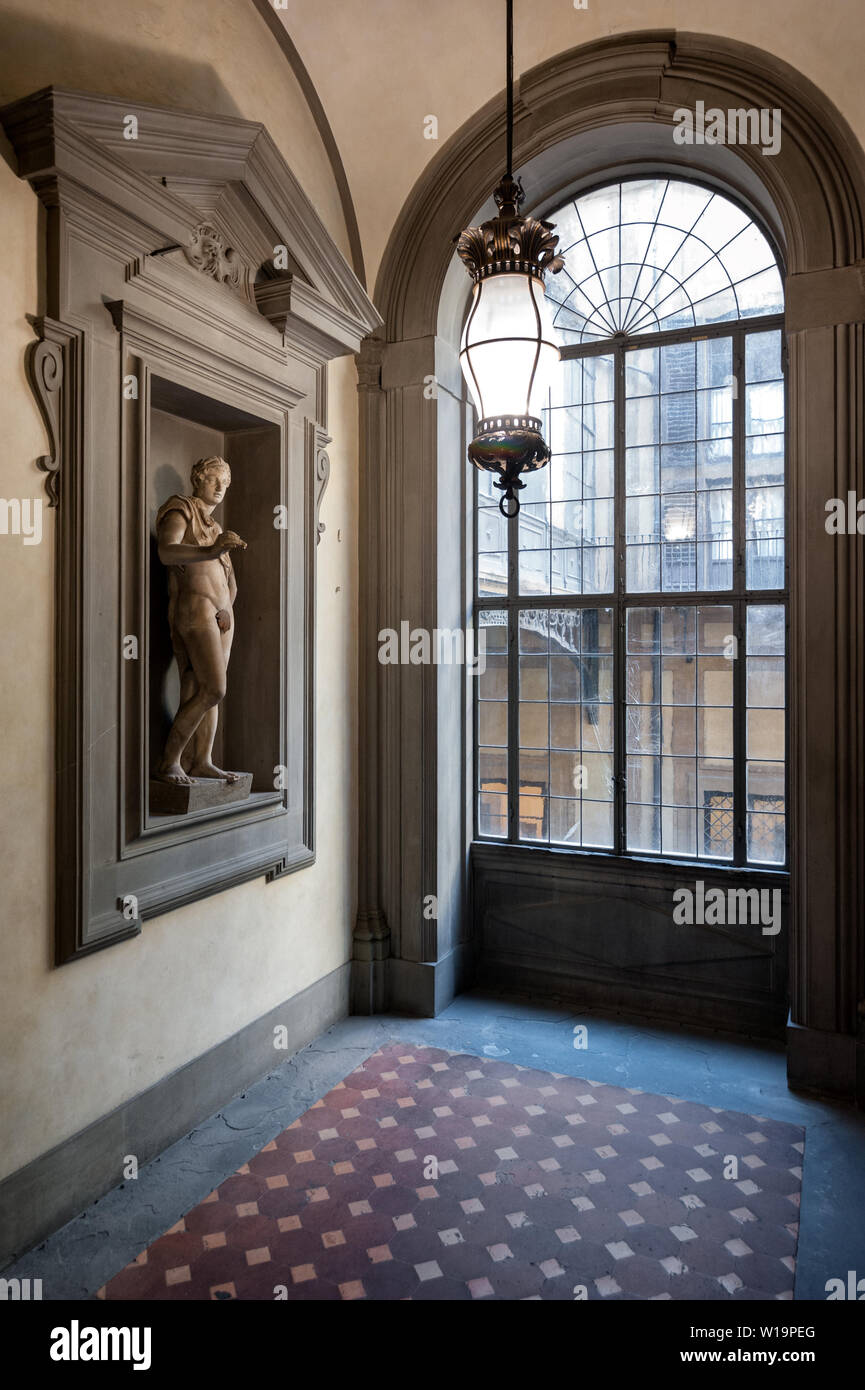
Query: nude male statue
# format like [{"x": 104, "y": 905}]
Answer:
[{"x": 201, "y": 588}]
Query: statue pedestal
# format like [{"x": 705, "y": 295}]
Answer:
[{"x": 169, "y": 799}]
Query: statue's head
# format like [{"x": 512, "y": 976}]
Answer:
[{"x": 210, "y": 478}]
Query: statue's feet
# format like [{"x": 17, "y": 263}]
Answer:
[
  {"x": 211, "y": 770},
  {"x": 173, "y": 772}
]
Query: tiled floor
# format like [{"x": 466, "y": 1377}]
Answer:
[
  {"x": 711, "y": 1069},
  {"x": 434, "y": 1174}
]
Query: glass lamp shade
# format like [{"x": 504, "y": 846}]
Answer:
[{"x": 509, "y": 350}]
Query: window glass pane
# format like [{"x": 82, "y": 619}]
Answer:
[
  {"x": 641, "y": 373},
  {"x": 679, "y": 367},
  {"x": 765, "y": 734},
  {"x": 493, "y": 722},
  {"x": 715, "y": 463},
  {"x": 565, "y": 821},
  {"x": 566, "y": 726},
  {"x": 598, "y": 474},
  {"x": 679, "y": 490},
  {"x": 644, "y": 829},
  {"x": 492, "y": 772},
  {"x": 763, "y": 356},
  {"x": 643, "y": 630},
  {"x": 534, "y": 724},
  {"x": 565, "y": 519},
  {"x": 645, "y": 255},
  {"x": 679, "y": 631},
  {"x": 534, "y": 573},
  {"x": 677, "y": 417},
  {"x": 660, "y": 253},
  {"x": 679, "y": 730},
  {"x": 714, "y": 362},
  {"x": 492, "y": 683},
  {"x": 678, "y": 463},
  {"x": 679, "y": 680},
  {"x": 494, "y": 625},
  {"x": 492, "y": 694},
  {"x": 641, "y": 470},
  {"x": 564, "y": 477},
  {"x": 715, "y": 825},
  {"x": 642, "y": 421},
  {"x": 566, "y": 568},
  {"x": 492, "y": 558},
  {"x": 565, "y": 531},
  {"x": 764, "y": 462},
  {"x": 765, "y": 630},
  {"x": 762, "y": 294}
]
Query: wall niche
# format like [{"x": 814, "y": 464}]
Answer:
[
  {"x": 168, "y": 336},
  {"x": 184, "y": 426}
]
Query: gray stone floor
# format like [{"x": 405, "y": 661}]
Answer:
[{"x": 709, "y": 1067}]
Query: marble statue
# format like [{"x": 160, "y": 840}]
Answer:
[{"x": 202, "y": 589}]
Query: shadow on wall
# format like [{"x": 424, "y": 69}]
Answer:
[{"x": 38, "y": 53}]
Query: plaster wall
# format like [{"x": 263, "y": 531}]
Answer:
[{"x": 77, "y": 1041}]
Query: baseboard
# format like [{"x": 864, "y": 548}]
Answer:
[
  {"x": 425, "y": 988},
  {"x": 830, "y": 1064},
  {"x": 52, "y": 1189},
  {"x": 734, "y": 1016}
]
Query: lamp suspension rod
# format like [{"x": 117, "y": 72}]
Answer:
[{"x": 510, "y": 83}]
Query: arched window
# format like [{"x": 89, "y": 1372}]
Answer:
[{"x": 634, "y": 617}]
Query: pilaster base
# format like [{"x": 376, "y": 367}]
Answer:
[{"x": 828, "y": 1063}]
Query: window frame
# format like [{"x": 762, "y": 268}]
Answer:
[{"x": 619, "y": 600}]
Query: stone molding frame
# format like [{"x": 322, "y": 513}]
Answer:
[
  {"x": 592, "y": 113},
  {"x": 161, "y": 258}
]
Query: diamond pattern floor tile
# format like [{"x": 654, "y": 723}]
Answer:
[{"x": 432, "y": 1174}]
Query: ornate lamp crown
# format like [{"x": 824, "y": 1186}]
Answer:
[{"x": 510, "y": 242}]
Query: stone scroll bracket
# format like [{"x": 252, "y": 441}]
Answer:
[
  {"x": 55, "y": 366},
  {"x": 48, "y": 375},
  {"x": 322, "y": 476}
]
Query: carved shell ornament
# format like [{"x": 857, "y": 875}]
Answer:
[{"x": 207, "y": 252}]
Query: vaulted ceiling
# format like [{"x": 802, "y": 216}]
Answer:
[{"x": 381, "y": 67}]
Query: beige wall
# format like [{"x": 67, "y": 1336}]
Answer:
[
  {"x": 77, "y": 1041},
  {"x": 407, "y": 59}
]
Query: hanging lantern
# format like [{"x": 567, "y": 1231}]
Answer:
[{"x": 509, "y": 349}]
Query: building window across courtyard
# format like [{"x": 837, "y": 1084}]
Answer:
[{"x": 635, "y": 616}]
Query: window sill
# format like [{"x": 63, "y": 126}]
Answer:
[{"x": 627, "y": 865}]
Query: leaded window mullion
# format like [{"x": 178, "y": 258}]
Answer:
[
  {"x": 619, "y": 708},
  {"x": 718, "y": 779}
]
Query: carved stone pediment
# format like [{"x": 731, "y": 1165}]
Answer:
[{"x": 212, "y": 190}]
